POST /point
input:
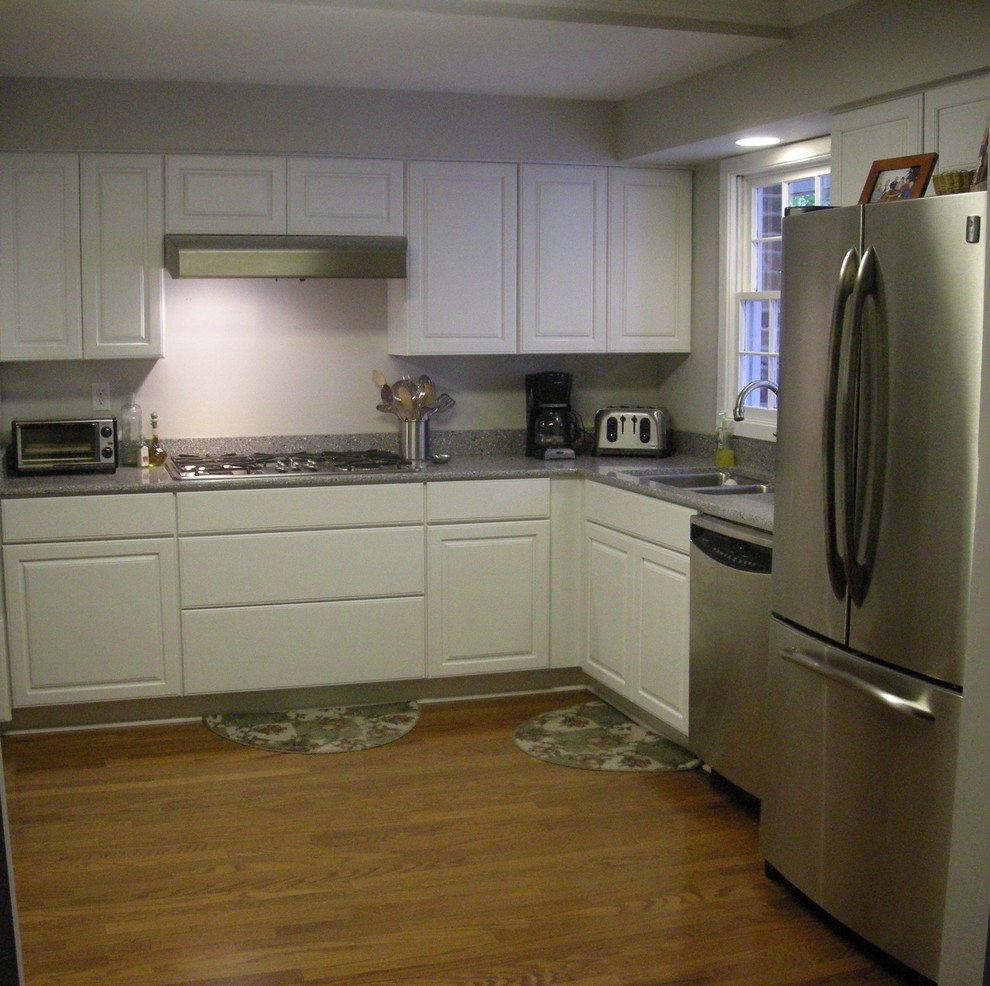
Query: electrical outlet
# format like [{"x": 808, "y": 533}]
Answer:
[{"x": 101, "y": 397}]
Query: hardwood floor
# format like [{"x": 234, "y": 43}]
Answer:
[{"x": 165, "y": 856}]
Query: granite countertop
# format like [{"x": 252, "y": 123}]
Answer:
[{"x": 753, "y": 510}]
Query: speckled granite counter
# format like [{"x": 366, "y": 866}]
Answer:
[{"x": 754, "y": 510}]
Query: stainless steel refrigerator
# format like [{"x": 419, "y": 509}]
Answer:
[{"x": 882, "y": 314}]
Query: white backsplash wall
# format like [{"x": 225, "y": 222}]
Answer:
[{"x": 262, "y": 357}]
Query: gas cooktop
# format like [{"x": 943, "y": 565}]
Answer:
[{"x": 244, "y": 465}]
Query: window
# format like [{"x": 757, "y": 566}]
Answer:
[{"x": 756, "y": 189}]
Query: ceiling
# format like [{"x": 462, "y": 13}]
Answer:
[{"x": 578, "y": 49}]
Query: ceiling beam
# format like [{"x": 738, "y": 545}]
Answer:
[{"x": 748, "y": 18}]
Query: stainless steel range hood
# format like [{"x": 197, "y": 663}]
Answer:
[{"x": 225, "y": 255}]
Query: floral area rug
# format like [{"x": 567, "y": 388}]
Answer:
[
  {"x": 595, "y": 736},
  {"x": 332, "y": 730}
]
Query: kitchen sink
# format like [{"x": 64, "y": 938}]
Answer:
[{"x": 713, "y": 482}]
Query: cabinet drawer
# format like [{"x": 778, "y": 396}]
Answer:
[
  {"x": 295, "y": 646},
  {"x": 251, "y": 569},
  {"x": 70, "y": 518},
  {"x": 494, "y": 499},
  {"x": 209, "y": 511},
  {"x": 644, "y": 517}
]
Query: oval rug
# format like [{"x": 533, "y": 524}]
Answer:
[
  {"x": 339, "y": 729},
  {"x": 594, "y": 736}
]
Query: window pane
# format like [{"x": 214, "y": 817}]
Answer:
[
  {"x": 801, "y": 192},
  {"x": 766, "y": 265},
  {"x": 753, "y": 368},
  {"x": 826, "y": 196},
  {"x": 755, "y": 329},
  {"x": 767, "y": 212}
]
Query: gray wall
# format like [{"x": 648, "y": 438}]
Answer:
[{"x": 854, "y": 55}]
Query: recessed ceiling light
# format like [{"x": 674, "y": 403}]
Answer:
[{"x": 757, "y": 141}]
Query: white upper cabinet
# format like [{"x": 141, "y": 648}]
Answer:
[
  {"x": 459, "y": 295},
  {"x": 344, "y": 196},
  {"x": 122, "y": 241},
  {"x": 40, "y": 288},
  {"x": 562, "y": 258},
  {"x": 224, "y": 194},
  {"x": 604, "y": 260},
  {"x": 872, "y": 133},
  {"x": 649, "y": 260},
  {"x": 947, "y": 119},
  {"x": 80, "y": 256},
  {"x": 955, "y": 118},
  {"x": 275, "y": 195}
]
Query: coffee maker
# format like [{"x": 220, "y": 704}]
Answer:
[{"x": 553, "y": 429}]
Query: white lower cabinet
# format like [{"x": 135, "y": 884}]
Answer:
[
  {"x": 488, "y": 576},
  {"x": 6, "y": 708},
  {"x": 637, "y": 599},
  {"x": 301, "y": 587},
  {"x": 92, "y": 616}
]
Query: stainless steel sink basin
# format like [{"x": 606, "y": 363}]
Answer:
[{"x": 712, "y": 482}]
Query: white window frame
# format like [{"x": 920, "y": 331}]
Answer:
[{"x": 736, "y": 173}]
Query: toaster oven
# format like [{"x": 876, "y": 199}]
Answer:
[{"x": 52, "y": 445}]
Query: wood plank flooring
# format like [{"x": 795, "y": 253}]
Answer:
[{"x": 165, "y": 856}]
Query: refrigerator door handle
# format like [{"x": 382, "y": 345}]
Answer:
[
  {"x": 917, "y": 708},
  {"x": 867, "y": 456},
  {"x": 844, "y": 288}
]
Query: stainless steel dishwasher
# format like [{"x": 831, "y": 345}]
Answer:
[{"x": 730, "y": 642}]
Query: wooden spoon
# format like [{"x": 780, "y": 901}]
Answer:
[{"x": 405, "y": 399}]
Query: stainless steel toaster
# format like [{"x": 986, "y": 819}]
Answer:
[{"x": 633, "y": 431}]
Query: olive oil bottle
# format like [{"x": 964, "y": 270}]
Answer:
[{"x": 156, "y": 454}]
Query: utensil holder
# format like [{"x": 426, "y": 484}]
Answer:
[{"x": 414, "y": 440}]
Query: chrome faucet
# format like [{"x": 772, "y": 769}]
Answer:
[{"x": 737, "y": 411}]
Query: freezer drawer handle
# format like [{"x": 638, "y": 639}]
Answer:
[{"x": 906, "y": 706}]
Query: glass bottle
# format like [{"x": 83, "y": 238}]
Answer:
[
  {"x": 156, "y": 454},
  {"x": 130, "y": 432}
]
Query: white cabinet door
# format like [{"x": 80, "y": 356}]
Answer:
[
  {"x": 649, "y": 260},
  {"x": 638, "y": 600},
  {"x": 345, "y": 196},
  {"x": 6, "y": 708},
  {"x": 861, "y": 136},
  {"x": 122, "y": 241},
  {"x": 225, "y": 194},
  {"x": 459, "y": 295},
  {"x": 660, "y": 649},
  {"x": 563, "y": 233},
  {"x": 609, "y": 594},
  {"x": 488, "y": 597},
  {"x": 955, "y": 118},
  {"x": 91, "y": 621},
  {"x": 40, "y": 292}
]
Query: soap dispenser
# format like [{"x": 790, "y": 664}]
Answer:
[{"x": 725, "y": 456}]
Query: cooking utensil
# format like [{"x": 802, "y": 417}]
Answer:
[
  {"x": 427, "y": 390},
  {"x": 405, "y": 398},
  {"x": 378, "y": 377}
]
